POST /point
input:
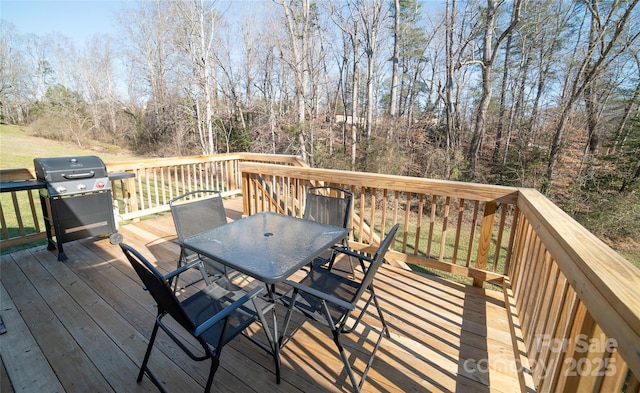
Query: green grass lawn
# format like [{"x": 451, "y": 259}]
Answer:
[{"x": 18, "y": 149}]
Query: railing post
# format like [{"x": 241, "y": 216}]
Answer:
[
  {"x": 485, "y": 240},
  {"x": 246, "y": 194},
  {"x": 231, "y": 175},
  {"x": 131, "y": 194}
]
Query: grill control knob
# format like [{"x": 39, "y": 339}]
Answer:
[
  {"x": 82, "y": 187},
  {"x": 100, "y": 184},
  {"x": 61, "y": 190}
]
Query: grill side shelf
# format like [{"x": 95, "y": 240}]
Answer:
[{"x": 13, "y": 186}]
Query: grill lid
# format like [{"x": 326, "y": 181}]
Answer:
[
  {"x": 61, "y": 169},
  {"x": 72, "y": 175}
]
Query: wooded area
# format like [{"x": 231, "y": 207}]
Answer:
[{"x": 533, "y": 93}]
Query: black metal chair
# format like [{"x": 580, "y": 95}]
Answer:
[
  {"x": 332, "y": 299},
  {"x": 328, "y": 205},
  {"x": 213, "y": 316},
  {"x": 195, "y": 212}
]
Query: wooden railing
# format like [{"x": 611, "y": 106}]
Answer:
[
  {"x": 154, "y": 184},
  {"x": 575, "y": 302},
  {"x": 465, "y": 231},
  {"x": 20, "y": 211},
  {"x": 578, "y": 301}
]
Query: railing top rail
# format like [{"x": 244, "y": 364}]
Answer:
[
  {"x": 471, "y": 191},
  {"x": 171, "y": 161},
  {"x": 606, "y": 282},
  {"x": 17, "y": 174},
  {"x": 20, "y": 174},
  {"x": 275, "y": 158},
  {"x": 168, "y": 161}
]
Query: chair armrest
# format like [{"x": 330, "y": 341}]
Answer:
[
  {"x": 321, "y": 295},
  {"x": 181, "y": 269},
  {"x": 351, "y": 253},
  {"x": 226, "y": 312}
]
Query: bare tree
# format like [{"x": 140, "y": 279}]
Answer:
[
  {"x": 545, "y": 45},
  {"x": 39, "y": 61},
  {"x": 610, "y": 38},
  {"x": 345, "y": 16},
  {"x": 96, "y": 72},
  {"x": 414, "y": 41},
  {"x": 14, "y": 76},
  {"x": 198, "y": 21},
  {"x": 267, "y": 86},
  {"x": 393, "y": 94},
  {"x": 490, "y": 50},
  {"x": 297, "y": 19},
  {"x": 148, "y": 38},
  {"x": 456, "y": 42},
  {"x": 372, "y": 14},
  {"x": 632, "y": 104}
]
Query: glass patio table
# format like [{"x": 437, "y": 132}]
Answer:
[{"x": 269, "y": 247}]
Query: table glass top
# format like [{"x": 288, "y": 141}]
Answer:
[{"x": 267, "y": 246}]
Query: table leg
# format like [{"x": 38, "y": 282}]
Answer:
[
  {"x": 274, "y": 346},
  {"x": 271, "y": 290}
]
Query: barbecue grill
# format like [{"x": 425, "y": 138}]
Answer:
[{"x": 77, "y": 202}]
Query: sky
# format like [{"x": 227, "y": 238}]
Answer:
[
  {"x": 76, "y": 19},
  {"x": 80, "y": 20}
]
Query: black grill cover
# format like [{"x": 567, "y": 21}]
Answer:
[{"x": 61, "y": 169}]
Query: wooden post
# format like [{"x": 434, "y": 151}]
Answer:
[
  {"x": 485, "y": 240},
  {"x": 246, "y": 194}
]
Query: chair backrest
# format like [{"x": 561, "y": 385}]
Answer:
[
  {"x": 158, "y": 287},
  {"x": 197, "y": 211},
  {"x": 378, "y": 259},
  {"x": 329, "y": 205}
]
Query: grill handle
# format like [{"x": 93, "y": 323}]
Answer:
[{"x": 79, "y": 175}]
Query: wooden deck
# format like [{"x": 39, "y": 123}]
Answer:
[{"x": 82, "y": 325}]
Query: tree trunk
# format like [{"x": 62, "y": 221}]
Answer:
[
  {"x": 483, "y": 106},
  {"x": 297, "y": 25},
  {"x": 446, "y": 93},
  {"x": 355, "y": 86},
  {"x": 617, "y": 138},
  {"x": 489, "y": 54},
  {"x": 590, "y": 68},
  {"x": 503, "y": 99},
  {"x": 393, "y": 94}
]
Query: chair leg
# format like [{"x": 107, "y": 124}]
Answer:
[
  {"x": 345, "y": 360},
  {"x": 215, "y": 362},
  {"x": 331, "y": 260},
  {"x": 385, "y": 329},
  {"x": 334, "y": 255},
  {"x": 336, "y": 331},
  {"x": 183, "y": 258},
  {"x": 144, "y": 367},
  {"x": 287, "y": 319},
  {"x": 205, "y": 275},
  {"x": 174, "y": 280}
]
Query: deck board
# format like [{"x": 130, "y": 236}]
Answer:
[
  {"x": 20, "y": 351},
  {"x": 83, "y": 325}
]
